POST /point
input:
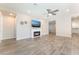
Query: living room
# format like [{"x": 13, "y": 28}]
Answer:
[{"x": 27, "y": 26}]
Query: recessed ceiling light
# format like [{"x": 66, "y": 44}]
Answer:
[
  {"x": 28, "y": 11},
  {"x": 67, "y": 10},
  {"x": 11, "y": 14}
]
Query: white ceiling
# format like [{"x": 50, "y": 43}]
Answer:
[
  {"x": 40, "y": 8},
  {"x": 35, "y": 9}
]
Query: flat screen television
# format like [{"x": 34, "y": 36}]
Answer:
[{"x": 36, "y": 22}]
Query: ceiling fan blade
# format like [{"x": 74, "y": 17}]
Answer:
[
  {"x": 48, "y": 9},
  {"x": 56, "y": 10},
  {"x": 53, "y": 12}
]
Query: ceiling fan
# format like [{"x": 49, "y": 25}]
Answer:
[{"x": 53, "y": 12}]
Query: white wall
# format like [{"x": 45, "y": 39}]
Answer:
[
  {"x": 63, "y": 23},
  {"x": 9, "y": 27},
  {"x": 44, "y": 27},
  {"x": 23, "y": 31},
  {"x": 1, "y": 24}
]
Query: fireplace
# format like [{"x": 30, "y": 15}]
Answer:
[{"x": 36, "y": 33}]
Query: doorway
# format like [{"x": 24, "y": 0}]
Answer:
[
  {"x": 52, "y": 27},
  {"x": 75, "y": 25}
]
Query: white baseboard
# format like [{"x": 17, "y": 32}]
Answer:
[
  {"x": 64, "y": 35},
  {"x": 8, "y": 38}
]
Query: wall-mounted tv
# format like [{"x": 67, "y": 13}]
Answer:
[{"x": 36, "y": 22}]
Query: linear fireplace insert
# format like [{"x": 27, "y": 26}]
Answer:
[{"x": 36, "y": 33}]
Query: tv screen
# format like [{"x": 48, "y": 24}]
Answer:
[{"x": 36, "y": 23}]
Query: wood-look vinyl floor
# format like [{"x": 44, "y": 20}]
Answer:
[{"x": 45, "y": 45}]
